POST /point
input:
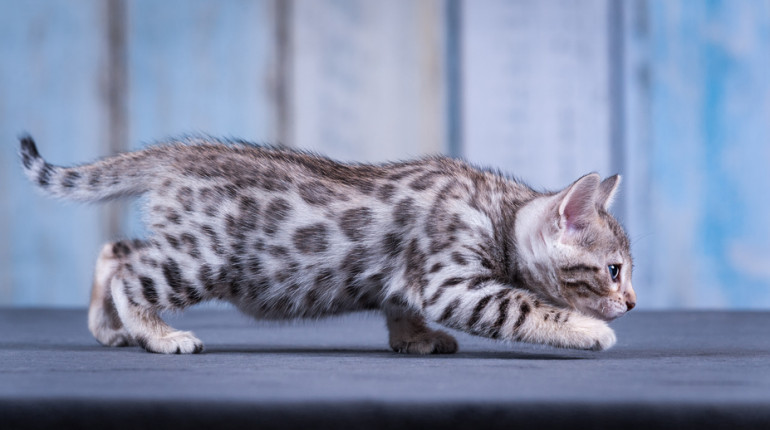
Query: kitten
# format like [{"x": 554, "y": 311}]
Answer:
[{"x": 287, "y": 234}]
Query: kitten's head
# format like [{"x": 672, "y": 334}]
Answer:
[{"x": 573, "y": 252}]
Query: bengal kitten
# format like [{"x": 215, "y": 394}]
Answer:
[{"x": 289, "y": 234}]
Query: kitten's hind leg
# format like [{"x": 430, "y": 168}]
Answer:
[
  {"x": 103, "y": 319},
  {"x": 409, "y": 333},
  {"x": 139, "y": 290}
]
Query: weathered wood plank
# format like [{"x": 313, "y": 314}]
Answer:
[
  {"x": 52, "y": 85},
  {"x": 368, "y": 82},
  {"x": 535, "y": 88},
  {"x": 709, "y": 152},
  {"x": 199, "y": 67}
]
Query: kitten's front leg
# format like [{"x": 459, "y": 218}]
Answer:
[
  {"x": 576, "y": 331},
  {"x": 488, "y": 308}
]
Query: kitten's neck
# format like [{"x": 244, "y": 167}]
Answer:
[{"x": 534, "y": 230}]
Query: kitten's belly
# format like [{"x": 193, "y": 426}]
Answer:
[
  {"x": 309, "y": 302},
  {"x": 273, "y": 284}
]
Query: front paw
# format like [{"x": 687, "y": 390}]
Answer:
[
  {"x": 603, "y": 339},
  {"x": 582, "y": 332}
]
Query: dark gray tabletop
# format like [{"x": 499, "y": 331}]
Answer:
[{"x": 669, "y": 369}]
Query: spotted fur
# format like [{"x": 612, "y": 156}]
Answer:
[{"x": 287, "y": 234}]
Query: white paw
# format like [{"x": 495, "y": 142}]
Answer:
[
  {"x": 604, "y": 338},
  {"x": 176, "y": 342},
  {"x": 584, "y": 332}
]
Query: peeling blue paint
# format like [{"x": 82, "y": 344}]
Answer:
[
  {"x": 206, "y": 66},
  {"x": 711, "y": 141}
]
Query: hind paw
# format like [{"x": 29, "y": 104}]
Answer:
[
  {"x": 431, "y": 342},
  {"x": 177, "y": 342}
]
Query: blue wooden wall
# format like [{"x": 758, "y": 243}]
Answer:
[
  {"x": 675, "y": 95},
  {"x": 535, "y": 88},
  {"x": 52, "y": 57},
  {"x": 709, "y": 143}
]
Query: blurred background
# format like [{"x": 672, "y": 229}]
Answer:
[{"x": 674, "y": 95}]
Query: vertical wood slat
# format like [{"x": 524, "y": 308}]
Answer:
[
  {"x": 453, "y": 62},
  {"x": 617, "y": 103},
  {"x": 708, "y": 145},
  {"x": 368, "y": 83},
  {"x": 200, "y": 67},
  {"x": 54, "y": 57},
  {"x": 117, "y": 101},
  {"x": 638, "y": 212},
  {"x": 282, "y": 83},
  {"x": 535, "y": 91}
]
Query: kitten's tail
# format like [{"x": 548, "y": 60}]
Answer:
[{"x": 106, "y": 179}]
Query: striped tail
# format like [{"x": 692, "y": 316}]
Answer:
[{"x": 110, "y": 178}]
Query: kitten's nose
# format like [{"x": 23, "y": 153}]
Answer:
[{"x": 630, "y": 298}]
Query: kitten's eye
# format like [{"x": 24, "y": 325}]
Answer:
[{"x": 614, "y": 271}]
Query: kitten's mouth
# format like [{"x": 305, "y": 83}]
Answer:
[
  {"x": 609, "y": 318},
  {"x": 607, "y": 311},
  {"x": 611, "y": 313}
]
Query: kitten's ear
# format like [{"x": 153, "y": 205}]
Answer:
[
  {"x": 607, "y": 191},
  {"x": 578, "y": 204}
]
